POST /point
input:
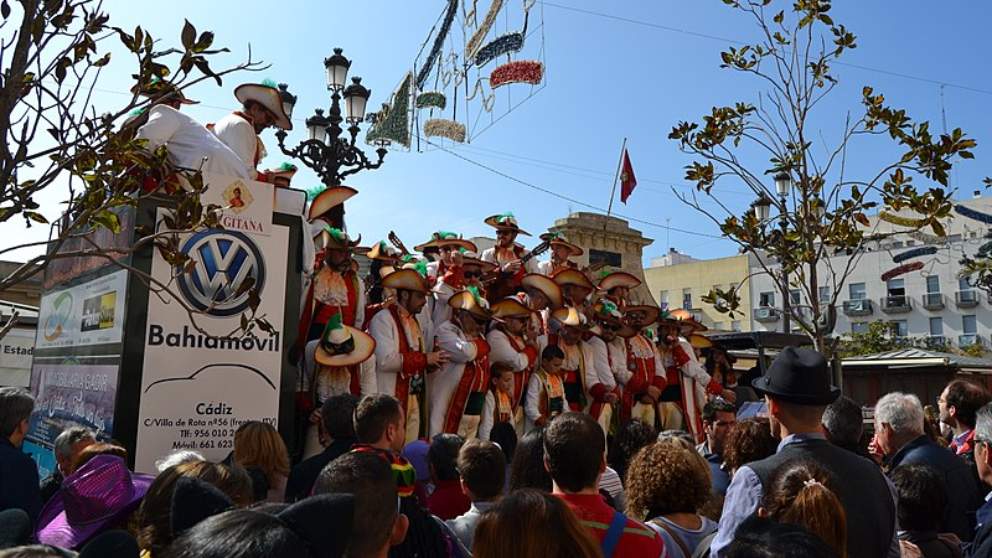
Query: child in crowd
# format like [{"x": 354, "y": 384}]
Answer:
[
  {"x": 499, "y": 406},
  {"x": 546, "y": 389}
]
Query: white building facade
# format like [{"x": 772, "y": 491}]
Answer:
[{"x": 931, "y": 305}]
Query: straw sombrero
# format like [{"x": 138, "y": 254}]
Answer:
[
  {"x": 471, "y": 258},
  {"x": 505, "y": 221},
  {"x": 510, "y": 307},
  {"x": 268, "y": 97},
  {"x": 383, "y": 252},
  {"x": 700, "y": 341},
  {"x": 471, "y": 303},
  {"x": 574, "y": 278},
  {"x": 406, "y": 279},
  {"x": 612, "y": 279},
  {"x": 641, "y": 316},
  {"x": 328, "y": 199},
  {"x": 336, "y": 239},
  {"x": 685, "y": 319},
  {"x": 546, "y": 286},
  {"x": 568, "y": 316},
  {"x": 342, "y": 345},
  {"x": 446, "y": 238},
  {"x": 558, "y": 239}
]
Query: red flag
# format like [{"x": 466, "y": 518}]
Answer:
[{"x": 627, "y": 179}]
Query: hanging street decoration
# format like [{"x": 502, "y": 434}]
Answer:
[
  {"x": 973, "y": 214},
  {"x": 902, "y": 270},
  {"x": 482, "y": 30},
  {"x": 502, "y": 45},
  {"x": 431, "y": 99},
  {"x": 914, "y": 253},
  {"x": 427, "y": 66},
  {"x": 451, "y": 129},
  {"x": 392, "y": 124},
  {"x": 521, "y": 71}
]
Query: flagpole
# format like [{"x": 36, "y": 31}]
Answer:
[{"x": 616, "y": 177}]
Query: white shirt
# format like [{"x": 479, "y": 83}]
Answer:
[
  {"x": 190, "y": 144},
  {"x": 329, "y": 385},
  {"x": 239, "y": 134}
]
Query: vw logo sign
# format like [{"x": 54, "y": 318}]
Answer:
[{"x": 224, "y": 260}]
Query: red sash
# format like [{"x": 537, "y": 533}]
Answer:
[
  {"x": 521, "y": 377},
  {"x": 315, "y": 312},
  {"x": 417, "y": 363},
  {"x": 475, "y": 379},
  {"x": 642, "y": 374}
]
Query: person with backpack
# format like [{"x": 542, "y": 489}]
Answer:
[{"x": 575, "y": 455}]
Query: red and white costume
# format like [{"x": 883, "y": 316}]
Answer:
[
  {"x": 400, "y": 355},
  {"x": 457, "y": 391}
]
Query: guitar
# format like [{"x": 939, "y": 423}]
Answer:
[
  {"x": 504, "y": 284},
  {"x": 396, "y": 242}
]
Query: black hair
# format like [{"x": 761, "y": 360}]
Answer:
[
  {"x": 552, "y": 352},
  {"x": 505, "y": 436},
  {"x": 922, "y": 492},
  {"x": 337, "y": 414},
  {"x": 843, "y": 422},
  {"x": 630, "y": 437},
  {"x": 527, "y": 468},
  {"x": 573, "y": 447},
  {"x": 237, "y": 534},
  {"x": 443, "y": 456},
  {"x": 369, "y": 478},
  {"x": 718, "y": 405},
  {"x": 374, "y": 414}
]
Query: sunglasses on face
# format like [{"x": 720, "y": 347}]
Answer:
[
  {"x": 610, "y": 327},
  {"x": 473, "y": 274}
]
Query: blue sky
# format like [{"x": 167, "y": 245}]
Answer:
[{"x": 606, "y": 79}]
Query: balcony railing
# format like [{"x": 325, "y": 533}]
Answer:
[
  {"x": 766, "y": 314},
  {"x": 969, "y": 339},
  {"x": 966, "y": 299},
  {"x": 933, "y": 301},
  {"x": 858, "y": 307},
  {"x": 895, "y": 304}
]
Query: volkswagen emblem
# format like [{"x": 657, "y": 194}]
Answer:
[{"x": 224, "y": 260}]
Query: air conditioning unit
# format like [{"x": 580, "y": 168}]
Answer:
[{"x": 766, "y": 314}]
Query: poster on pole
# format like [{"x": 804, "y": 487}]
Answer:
[
  {"x": 16, "y": 349},
  {"x": 90, "y": 313},
  {"x": 200, "y": 378}
]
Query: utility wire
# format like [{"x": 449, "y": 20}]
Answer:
[
  {"x": 561, "y": 196},
  {"x": 739, "y": 42}
]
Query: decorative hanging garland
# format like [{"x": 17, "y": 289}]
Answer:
[
  {"x": 973, "y": 214},
  {"x": 473, "y": 44},
  {"x": 519, "y": 71},
  {"x": 442, "y": 34},
  {"x": 985, "y": 250},
  {"x": 432, "y": 99},
  {"x": 512, "y": 42},
  {"x": 902, "y": 270},
  {"x": 914, "y": 253},
  {"x": 395, "y": 127},
  {"x": 900, "y": 220},
  {"x": 450, "y": 129}
]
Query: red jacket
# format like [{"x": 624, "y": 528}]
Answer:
[{"x": 637, "y": 541}]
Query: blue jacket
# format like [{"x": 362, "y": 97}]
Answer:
[
  {"x": 982, "y": 545},
  {"x": 962, "y": 492},
  {"x": 19, "y": 487}
]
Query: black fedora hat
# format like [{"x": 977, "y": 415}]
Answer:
[{"x": 800, "y": 376}]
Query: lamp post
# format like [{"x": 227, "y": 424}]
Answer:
[
  {"x": 783, "y": 185},
  {"x": 324, "y": 151}
]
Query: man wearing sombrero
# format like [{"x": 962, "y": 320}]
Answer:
[
  {"x": 458, "y": 390},
  {"x": 693, "y": 380},
  {"x": 575, "y": 287},
  {"x": 341, "y": 361},
  {"x": 466, "y": 273},
  {"x": 561, "y": 253},
  {"x": 617, "y": 286},
  {"x": 335, "y": 288},
  {"x": 605, "y": 393},
  {"x": 543, "y": 296},
  {"x": 261, "y": 107},
  {"x": 646, "y": 375},
  {"x": 514, "y": 343},
  {"x": 507, "y": 255},
  {"x": 402, "y": 355},
  {"x": 189, "y": 143},
  {"x": 580, "y": 370},
  {"x": 443, "y": 246}
]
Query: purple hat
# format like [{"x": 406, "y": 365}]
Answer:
[
  {"x": 92, "y": 499},
  {"x": 416, "y": 453}
]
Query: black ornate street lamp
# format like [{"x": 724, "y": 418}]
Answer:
[{"x": 324, "y": 151}]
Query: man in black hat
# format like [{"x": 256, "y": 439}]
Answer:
[{"x": 797, "y": 390}]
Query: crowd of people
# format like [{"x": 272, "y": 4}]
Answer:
[
  {"x": 803, "y": 480},
  {"x": 457, "y": 402}
]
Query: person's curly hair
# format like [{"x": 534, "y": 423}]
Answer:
[
  {"x": 666, "y": 477},
  {"x": 748, "y": 440}
]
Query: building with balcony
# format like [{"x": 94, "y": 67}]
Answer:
[
  {"x": 931, "y": 304},
  {"x": 682, "y": 285}
]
